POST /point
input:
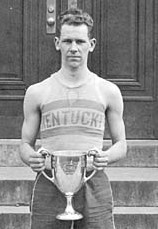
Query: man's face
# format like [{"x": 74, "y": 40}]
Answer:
[{"x": 74, "y": 44}]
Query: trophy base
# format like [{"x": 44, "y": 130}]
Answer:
[{"x": 69, "y": 216}]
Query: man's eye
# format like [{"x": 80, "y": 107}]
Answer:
[
  {"x": 80, "y": 41},
  {"x": 68, "y": 41}
]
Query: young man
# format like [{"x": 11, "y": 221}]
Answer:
[{"x": 69, "y": 109}]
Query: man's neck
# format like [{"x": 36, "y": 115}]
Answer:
[{"x": 74, "y": 77}]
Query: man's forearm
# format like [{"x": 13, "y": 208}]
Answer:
[
  {"x": 25, "y": 150},
  {"x": 28, "y": 153},
  {"x": 116, "y": 151}
]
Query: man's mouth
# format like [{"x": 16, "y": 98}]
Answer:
[{"x": 75, "y": 57}]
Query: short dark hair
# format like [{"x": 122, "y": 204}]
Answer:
[{"x": 75, "y": 16}]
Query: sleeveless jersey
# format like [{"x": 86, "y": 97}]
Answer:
[{"x": 72, "y": 118}]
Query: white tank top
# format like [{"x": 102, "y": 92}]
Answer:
[{"x": 72, "y": 118}]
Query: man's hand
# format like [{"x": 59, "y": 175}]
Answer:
[
  {"x": 37, "y": 162},
  {"x": 100, "y": 158}
]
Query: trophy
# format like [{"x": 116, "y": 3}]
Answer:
[{"x": 68, "y": 174}]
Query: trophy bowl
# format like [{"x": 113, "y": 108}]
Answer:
[{"x": 69, "y": 174}]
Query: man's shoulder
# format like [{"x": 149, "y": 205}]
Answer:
[
  {"x": 35, "y": 93},
  {"x": 39, "y": 87},
  {"x": 107, "y": 86}
]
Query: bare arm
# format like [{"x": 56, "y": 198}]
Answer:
[
  {"x": 114, "y": 115},
  {"x": 30, "y": 130},
  {"x": 116, "y": 127}
]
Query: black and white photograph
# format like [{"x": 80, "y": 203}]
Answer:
[{"x": 78, "y": 114}]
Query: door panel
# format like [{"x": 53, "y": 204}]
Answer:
[
  {"x": 11, "y": 67},
  {"x": 27, "y": 55},
  {"x": 126, "y": 55},
  {"x": 10, "y": 45}
]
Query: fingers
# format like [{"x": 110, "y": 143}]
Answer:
[
  {"x": 38, "y": 169},
  {"x": 100, "y": 158},
  {"x": 100, "y": 162},
  {"x": 37, "y": 162},
  {"x": 44, "y": 152},
  {"x": 93, "y": 152}
]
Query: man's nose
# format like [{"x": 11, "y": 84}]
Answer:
[{"x": 73, "y": 47}]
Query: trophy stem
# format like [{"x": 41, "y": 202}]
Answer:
[
  {"x": 69, "y": 209},
  {"x": 70, "y": 213}
]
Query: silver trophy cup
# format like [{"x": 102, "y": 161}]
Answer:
[{"x": 69, "y": 174}]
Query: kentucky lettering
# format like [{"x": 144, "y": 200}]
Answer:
[{"x": 74, "y": 117}]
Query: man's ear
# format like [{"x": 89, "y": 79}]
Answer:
[
  {"x": 56, "y": 42},
  {"x": 92, "y": 44}
]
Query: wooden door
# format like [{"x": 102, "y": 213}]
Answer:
[
  {"x": 27, "y": 55},
  {"x": 127, "y": 34},
  {"x": 126, "y": 31}
]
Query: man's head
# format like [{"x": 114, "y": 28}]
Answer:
[
  {"x": 74, "y": 41},
  {"x": 76, "y": 17}
]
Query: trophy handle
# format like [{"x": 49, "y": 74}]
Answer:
[
  {"x": 90, "y": 176},
  {"x": 94, "y": 171},
  {"x": 51, "y": 179},
  {"x": 45, "y": 153}
]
